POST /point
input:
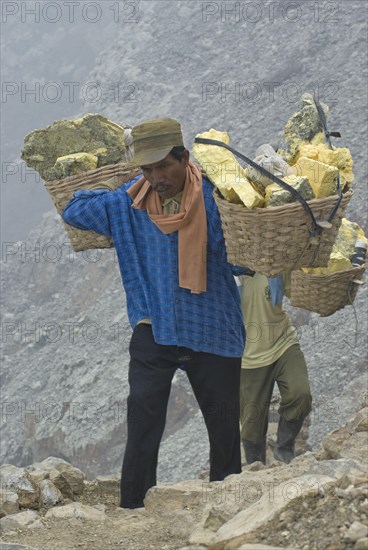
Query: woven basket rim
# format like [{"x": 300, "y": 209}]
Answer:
[
  {"x": 351, "y": 270},
  {"x": 325, "y": 293},
  {"x": 282, "y": 207},
  {"x": 128, "y": 166}
]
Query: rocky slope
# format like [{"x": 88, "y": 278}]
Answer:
[{"x": 318, "y": 501}]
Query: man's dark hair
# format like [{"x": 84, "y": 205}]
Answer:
[{"x": 178, "y": 152}]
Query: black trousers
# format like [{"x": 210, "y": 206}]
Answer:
[{"x": 215, "y": 381}]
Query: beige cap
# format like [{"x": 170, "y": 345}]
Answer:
[{"x": 154, "y": 139}]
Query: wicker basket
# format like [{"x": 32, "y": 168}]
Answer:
[
  {"x": 111, "y": 176},
  {"x": 325, "y": 294},
  {"x": 276, "y": 239}
]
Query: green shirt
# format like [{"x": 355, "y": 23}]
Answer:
[{"x": 269, "y": 330}]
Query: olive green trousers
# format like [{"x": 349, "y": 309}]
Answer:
[{"x": 256, "y": 386}]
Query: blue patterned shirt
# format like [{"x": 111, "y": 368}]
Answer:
[{"x": 148, "y": 259}]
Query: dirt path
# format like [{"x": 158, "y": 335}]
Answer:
[{"x": 123, "y": 529}]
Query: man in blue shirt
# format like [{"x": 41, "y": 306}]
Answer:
[{"x": 182, "y": 300}]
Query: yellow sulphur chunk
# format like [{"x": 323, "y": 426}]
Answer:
[{"x": 225, "y": 172}]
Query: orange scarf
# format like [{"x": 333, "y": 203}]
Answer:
[{"x": 190, "y": 221}]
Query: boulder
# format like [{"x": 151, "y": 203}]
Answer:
[
  {"x": 18, "y": 481},
  {"x": 350, "y": 441},
  {"x": 50, "y": 494},
  {"x": 109, "y": 487},
  {"x": 170, "y": 497},
  {"x": 16, "y": 521},
  {"x": 9, "y": 503},
  {"x": 102, "y": 490},
  {"x": 233, "y": 533},
  {"x": 65, "y": 477},
  {"x": 360, "y": 422},
  {"x": 77, "y": 510},
  {"x": 338, "y": 469}
]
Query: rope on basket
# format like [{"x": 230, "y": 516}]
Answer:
[
  {"x": 323, "y": 120},
  {"x": 351, "y": 284},
  {"x": 350, "y": 288}
]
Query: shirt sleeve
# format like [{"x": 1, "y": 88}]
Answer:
[
  {"x": 88, "y": 211},
  {"x": 237, "y": 271}
]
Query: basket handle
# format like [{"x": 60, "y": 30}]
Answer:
[
  {"x": 323, "y": 120},
  {"x": 316, "y": 227}
]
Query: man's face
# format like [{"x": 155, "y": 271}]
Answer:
[{"x": 167, "y": 177}]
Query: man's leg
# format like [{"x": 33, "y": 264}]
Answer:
[
  {"x": 151, "y": 371},
  {"x": 215, "y": 381},
  {"x": 256, "y": 386},
  {"x": 296, "y": 400}
]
